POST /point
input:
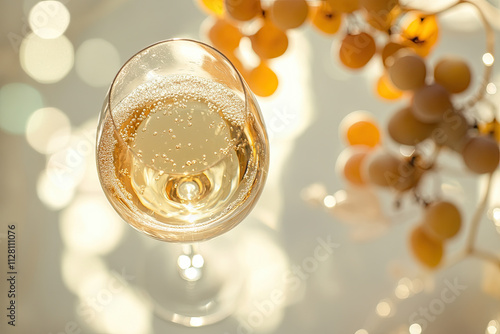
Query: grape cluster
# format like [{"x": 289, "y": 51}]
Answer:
[
  {"x": 431, "y": 115},
  {"x": 267, "y": 24},
  {"x": 433, "y": 110}
]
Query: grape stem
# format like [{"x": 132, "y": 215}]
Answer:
[
  {"x": 490, "y": 45},
  {"x": 470, "y": 249},
  {"x": 476, "y": 218},
  {"x": 486, "y": 256}
]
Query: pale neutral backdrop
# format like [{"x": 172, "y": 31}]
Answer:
[{"x": 77, "y": 262}]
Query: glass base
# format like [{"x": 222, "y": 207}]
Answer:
[{"x": 193, "y": 285}]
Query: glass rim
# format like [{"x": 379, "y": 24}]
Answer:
[{"x": 170, "y": 40}]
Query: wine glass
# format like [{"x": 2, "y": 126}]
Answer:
[{"x": 182, "y": 156}]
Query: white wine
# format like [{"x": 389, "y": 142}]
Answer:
[{"x": 182, "y": 155}]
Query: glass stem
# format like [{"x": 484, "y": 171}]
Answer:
[{"x": 190, "y": 263}]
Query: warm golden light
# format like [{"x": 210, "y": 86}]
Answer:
[
  {"x": 48, "y": 130},
  {"x": 492, "y": 327},
  {"x": 488, "y": 59},
  {"x": 97, "y": 62},
  {"x": 384, "y": 308},
  {"x": 89, "y": 225},
  {"x": 126, "y": 305},
  {"x": 361, "y": 331},
  {"x": 49, "y": 19},
  {"x": 51, "y": 194},
  {"x": 402, "y": 291},
  {"x": 46, "y": 60},
  {"x": 329, "y": 201},
  {"x": 415, "y": 329},
  {"x": 491, "y": 88},
  {"x": 77, "y": 269}
]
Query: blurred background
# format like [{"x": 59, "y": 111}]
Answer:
[{"x": 77, "y": 262}]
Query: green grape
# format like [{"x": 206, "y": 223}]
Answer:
[
  {"x": 408, "y": 71},
  {"x": 430, "y": 103},
  {"x": 289, "y": 14},
  {"x": 453, "y": 74},
  {"x": 405, "y": 129},
  {"x": 356, "y": 50},
  {"x": 426, "y": 249},
  {"x": 481, "y": 154},
  {"x": 442, "y": 220}
]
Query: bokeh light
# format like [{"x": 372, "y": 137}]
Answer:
[
  {"x": 361, "y": 331},
  {"x": 89, "y": 225},
  {"x": 127, "y": 305},
  {"x": 488, "y": 59},
  {"x": 97, "y": 62},
  {"x": 78, "y": 268},
  {"x": 49, "y": 19},
  {"x": 17, "y": 102},
  {"x": 492, "y": 327},
  {"x": 48, "y": 130},
  {"x": 53, "y": 195},
  {"x": 46, "y": 60},
  {"x": 384, "y": 308},
  {"x": 491, "y": 88},
  {"x": 415, "y": 329}
]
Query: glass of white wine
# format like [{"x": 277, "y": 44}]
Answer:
[{"x": 182, "y": 156}]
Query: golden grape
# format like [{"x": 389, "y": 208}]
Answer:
[
  {"x": 289, "y": 14},
  {"x": 224, "y": 35},
  {"x": 384, "y": 21},
  {"x": 452, "y": 73},
  {"x": 387, "y": 170},
  {"x": 379, "y": 6},
  {"x": 350, "y": 164},
  {"x": 344, "y": 6},
  {"x": 360, "y": 128},
  {"x": 324, "y": 18},
  {"x": 356, "y": 50},
  {"x": 212, "y": 7},
  {"x": 262, "y": 80},
  {"x": 242, "y": 10},
  {"x": 420, "y": 32},
  {"x": 269, "y": 41},
  {"x": 386, "y": 89},
  {"x": 405, "y": 129},
  {"x": 490, "y": 128},
  {"x": 481, "y": 154},
  {"x": 426, "y": 249},
  {"x": 451, "y": 131},
  {"x": 408, "y": 71},
  {"x": 430, "y": 103},
  {"x": 388, "y": 51},
  {"x": 442, "y": 220},
  {"x": 382, "y": 169}
]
